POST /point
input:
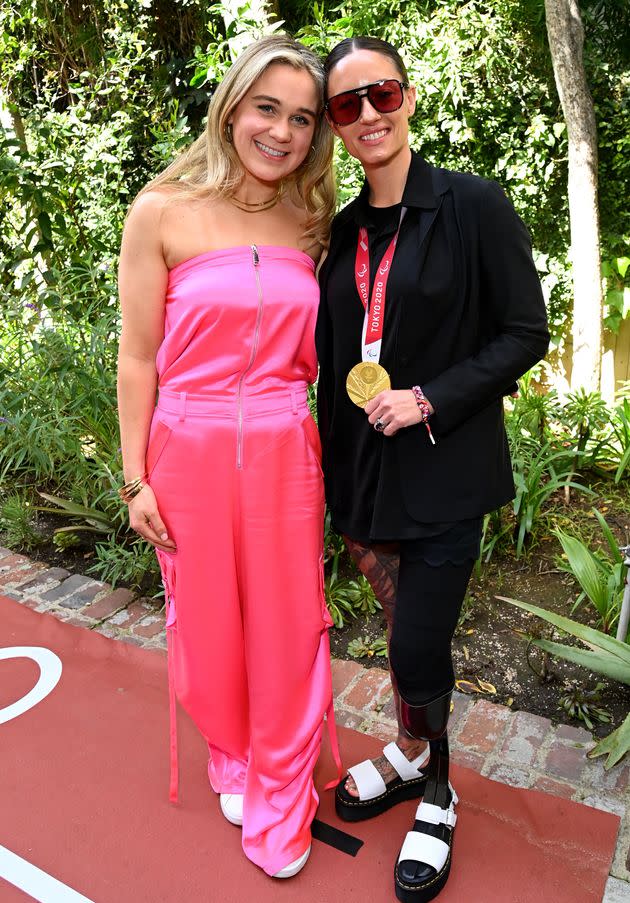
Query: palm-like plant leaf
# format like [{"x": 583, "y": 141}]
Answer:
[
  {"x": 615, "y": 745},
  {"x": 609, "y": 657},
  {"x": 587, "y": 570},
  {"x": 66, "y": 506},
  {"x": 610, "y": 539},
  {"x": 625, "y": 460},
  {"x": 595, "y": 639},
  {"x": 600, "y": 662}
]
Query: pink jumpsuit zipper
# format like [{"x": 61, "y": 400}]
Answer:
[{"x": 234, "y": 460}]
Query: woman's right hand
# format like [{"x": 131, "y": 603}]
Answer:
[{"x": 145, "y": 519}]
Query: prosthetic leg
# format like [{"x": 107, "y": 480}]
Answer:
[{"x": 424, "y": 862}]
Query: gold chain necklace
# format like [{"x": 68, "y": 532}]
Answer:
[{"x": 246, "y": 207}]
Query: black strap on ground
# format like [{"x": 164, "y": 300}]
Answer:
[{"x": 346, "y": 843}]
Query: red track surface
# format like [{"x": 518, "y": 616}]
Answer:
[{"x": 84, "y": 785}]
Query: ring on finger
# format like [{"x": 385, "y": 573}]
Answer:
[{"x": 379, "y": 426}]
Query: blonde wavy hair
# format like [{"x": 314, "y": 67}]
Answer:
[{"x": 210, "y": 167}]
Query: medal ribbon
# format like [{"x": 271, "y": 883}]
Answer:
[{"x": 372, "y": 332}]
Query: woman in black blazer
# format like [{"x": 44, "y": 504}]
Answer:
[{"x": 431, "y": 308}]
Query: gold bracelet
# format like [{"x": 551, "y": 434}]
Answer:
[
  {"x": 131, "y": 489},
  {"x": 132, "y": 483},
  {"x": 126, "y": 497}
]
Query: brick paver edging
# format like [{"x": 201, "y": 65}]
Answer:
[{"x": 517, "y": 748}]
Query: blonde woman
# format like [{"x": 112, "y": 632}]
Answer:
[{"x": 223, "y": 476}]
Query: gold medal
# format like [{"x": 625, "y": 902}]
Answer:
[{"x": 365, "y": 381}]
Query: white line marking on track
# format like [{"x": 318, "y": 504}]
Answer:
[
  {"x": 49, "y": 674},
  {"x": 17, "y": 871},
  {"x": 34, "y": 882}
]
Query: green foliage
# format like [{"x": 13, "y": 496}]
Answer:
[
  {"x": 583, "y": 705},
  {"x": 604, "y": 655},
  {"x": 362, "y": 598},
  {"x": 607, "y": 27},
  {"x": 135, "y": 565},
  {"x": 57, "y": 395},
  {"x": 339, "y": 593},
  {"x": 89, "y": 518},
  {"x": 584, "y": 414},
  {"x": 618, "y": 450},
  {"x": 345, "y": 597},
  {"x": 539, "y": 472},
  {"x": 615, "y": 745},
  {"x": 601, "y": 576},
  {"x": 533, "y": 411},
  {"x": 311, "y": 395},
  {"x": 366, "y": 648},
  {"x": 617, "y": 293},
  {"x": 333, "y": 546},
  {"x": 66, "y": 538},
  {"x": 16, "y": 522},
  {"x": 494, "y": 533},
  {"x": 466, "y": 614},
  {"x": 556, "y": 447}
]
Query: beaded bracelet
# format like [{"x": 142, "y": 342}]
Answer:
[
  {"x": 131, "y": 489},
  {"x": 424, "y": 408}
]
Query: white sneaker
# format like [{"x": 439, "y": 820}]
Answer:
[
  {"x": 232, "y": 807},
  {"x": 294, "y": 867}
]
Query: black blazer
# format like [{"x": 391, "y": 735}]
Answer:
[{"x": 476, "y": 323}]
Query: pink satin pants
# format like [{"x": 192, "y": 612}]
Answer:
[{"x": 238, "y": 483}]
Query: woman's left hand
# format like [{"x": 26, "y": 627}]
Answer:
[{"x": 396, "y": 408}]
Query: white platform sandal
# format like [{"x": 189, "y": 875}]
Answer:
[
  {"x": 375, "y": 796},
  {"x": 424, "y": 862}
]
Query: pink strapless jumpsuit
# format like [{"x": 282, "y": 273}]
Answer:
[{"x": 234, "y": 460}]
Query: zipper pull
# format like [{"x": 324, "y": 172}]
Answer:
[{"x": 255, "y": 256}]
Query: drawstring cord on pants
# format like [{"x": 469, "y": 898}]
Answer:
[
  {"x": 334, "y": 744},
  {"x": 172, "y": 708}
]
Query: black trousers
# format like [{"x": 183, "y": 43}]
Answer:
[{"x": 433, "y": 576}]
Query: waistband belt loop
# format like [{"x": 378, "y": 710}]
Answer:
[
  {"x": 182, "y": 406},
  {"x": 294, "y": 400}
]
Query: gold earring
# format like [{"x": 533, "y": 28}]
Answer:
[{"x": 228, "y": 132}]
